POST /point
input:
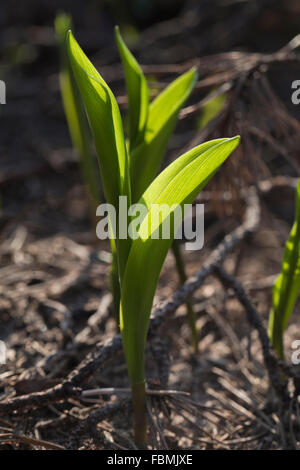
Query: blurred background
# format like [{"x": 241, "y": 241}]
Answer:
[
  {"x": 167, "y": 36},
  {"x": 244, "y": 87},
  {"x": 53, "y": 274}
]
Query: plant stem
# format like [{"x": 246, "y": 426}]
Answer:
[
  {"x": 277, "y": 336},
  {"x": 139, "y": 413},
  {"x": 189, "y": 306}
]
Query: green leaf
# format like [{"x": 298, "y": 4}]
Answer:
[
  {"x": 211, "y": 109},
  {"x": 145, "y": 160},
  {"x": 106, "y": 124},
  {"x": 74, "y": 111},
  {"x": 137, "y": 91},
  {"x": 287, "y": 286},
  {"x": 178, "y": 184}
]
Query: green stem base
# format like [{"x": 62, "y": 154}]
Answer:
[
  {"x": 139, "y": 414},
  {"x": 189, "y": 305}
]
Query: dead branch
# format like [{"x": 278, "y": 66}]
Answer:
[{"x": 253, "y": 318}]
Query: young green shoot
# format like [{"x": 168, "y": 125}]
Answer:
[
  {"x": 150, "y": 128},
  {"x": 287, "y": 286},
  {"x": 81, "y": 141},
  {"x": 140, "y": 259}
]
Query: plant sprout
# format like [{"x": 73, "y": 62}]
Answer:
[
  {"x": 287, "y": 286},
  {"x": 140, "y": 260},
  {"x": 75, "y": 114},
  {"x": 81, "y": 141},
  {"x": 140, "y": 120},
  {"x": 150, "y": 128}
]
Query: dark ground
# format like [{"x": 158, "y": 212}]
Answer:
[{"x": 54, "y": 297}]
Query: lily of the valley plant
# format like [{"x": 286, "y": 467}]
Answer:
[
  {"x": 129, "y": 169},
  {"x": 287, "y": 286},
  {"x": 150, "y": 128}
]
